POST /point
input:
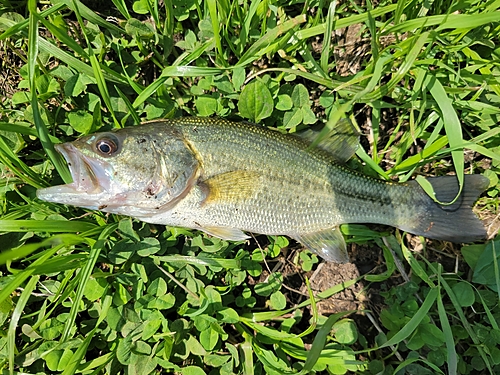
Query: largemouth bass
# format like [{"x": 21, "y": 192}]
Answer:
[{"x": 227, "y": 178}]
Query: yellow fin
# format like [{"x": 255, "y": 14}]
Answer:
[
  {"x": 226, "y": 233},
  {"x": 230, "y": 186},
  {"x": 328, "y": 244}
]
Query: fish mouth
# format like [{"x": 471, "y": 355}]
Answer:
[{"x": 91, "y": 178}]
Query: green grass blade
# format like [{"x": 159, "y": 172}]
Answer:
[
  {"x": 52, "y": 226},
  {"x": 451, "y": 353},
  {"x": 415, "y": 266},
  {"x": 412, "y": 325},
  {"x": 21, "y": 277},
  {"x": 495, "y": 266},
  {"x": 214, "y": 17},
  {"x": 485, "y": 71},
  {"x": 267, "y": 331},
  {"x": 376, "y": 76},
  {"x": 269, "y": 360},
  {"x": 22, "y": 128},
  {"x": 16, "y": 28},
  {"x": 319, "y": 341},
  {"x": 327, "y": 82},
  {"x": 491, "y": 318},
  {"x": 468, "y": 21},
  {"x": 408, "y": 63},
  {"x": 57, "y": 52},
  {"x": 168, "y": 29},
  {"x": 463, "y": 319},
  {"x": 122, "y": 8},
  {"x": 64, "y": 38},
  {"x": 16, "y": 165},
  {"x": 78, "y": 65},
  {"x": 422, "y": 157},
  {"x": 409, "y": 361},
  {"x": 361, "y": 153},
  {"x": 187, "y": 58},
  {"x": 399, "y": 11},
  {"x": 83, "y": 277},
  {"x": 451, "y": 21},
  {"x": 14, "y": 320},
  {"x": 269, "y": 315},
  {"x": 389, "y": 263},
  {"x": 96, "y": 67},
  {"x": 43, "y": 134},
  {"x": 246, "y": 348},
  {"x": 173, "y": 71},
  {"x": 258, "y": 48},
  {"x": 25, "y": 250},
  {"x": 61, "y": 264},
  {"x": 245, "y": 27},
  {"x": 98, "y": 363},
  {"x": 453, "y": 130},
  {"x": 131, "y": 110},
  {"x": 83, "y": 11},
  {"x": 79, "y": 355},
  {"x": 344, "y": 22},
  {"x": 488, "y": 152},
  {"x": 202, "y": 260},
  {"x": 374, "y": 34},
  {"x": 314, "y": 310},
  {"x": 330, "y": 22}
]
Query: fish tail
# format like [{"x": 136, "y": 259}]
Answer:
[{"x": 455, "y": 222}]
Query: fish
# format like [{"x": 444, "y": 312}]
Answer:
[{"x": 229, "y": 178}]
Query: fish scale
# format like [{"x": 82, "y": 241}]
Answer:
[
  {"x": 308, "y": 194},
  {"x": 225, "y": 178},
  {"x": 328, "y": 195}
]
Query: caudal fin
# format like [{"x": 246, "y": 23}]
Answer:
[{"x": 456, "y": 222}]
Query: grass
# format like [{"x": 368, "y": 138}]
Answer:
[{"x": 86, "y": 293}]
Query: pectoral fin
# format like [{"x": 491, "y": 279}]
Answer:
[
  {"x": 226, "y": 233},
  {"x": 328, "y": 244},
  {"x": 230, "y": 186}
]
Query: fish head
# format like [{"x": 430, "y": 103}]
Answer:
[{"x": 133, "y": 171}]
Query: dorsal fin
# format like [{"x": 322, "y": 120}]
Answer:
[{"x": 341, "y": 141}]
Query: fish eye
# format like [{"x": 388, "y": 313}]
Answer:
[{"x": 106, "y": 146}]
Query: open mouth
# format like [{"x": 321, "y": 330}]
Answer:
[
  {"x": 90, "y": 178},
  {"x": 82, "y": 169}
]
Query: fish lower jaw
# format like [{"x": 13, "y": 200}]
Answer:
[{"x": 69, "y": 194}]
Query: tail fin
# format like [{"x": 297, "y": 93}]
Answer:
[{"x": 456, "y": 222}]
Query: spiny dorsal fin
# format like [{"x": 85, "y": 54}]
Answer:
[
  {"x": 230, "y": 186},
  {"x": 341, "y": 141},
  {"x": 328, "y": 244}
]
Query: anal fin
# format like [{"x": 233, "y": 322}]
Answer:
[{"x": 328, "y": 244}]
